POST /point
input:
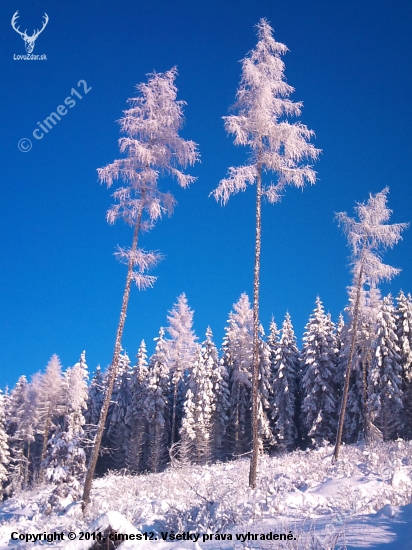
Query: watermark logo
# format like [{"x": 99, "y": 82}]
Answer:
[
  {"x": 54, "y": 117},
  {"x": 24, "y": 145},
  {"x": 29, "y": 41}
]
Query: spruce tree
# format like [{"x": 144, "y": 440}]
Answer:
[
  {"x": 156, "y": 406},
  {"x": 118, "y": 428},
  {"x": 4, "y": 448},
  {"x": 385, "y": 375},
  {"x": 65, "y": 462},
  {"x": 284, "y": 368},
  {"x": 200, "y": 405},
  {"x": 77, "y": 378},
  {"x": 65, "y": 465},
  {"x": 135, "y": 417},
  {"x": 181, "y": 351},
  {"x": 94, "y": 404},
  {"x": 20, "y": 428},
  {"x": 239, "y": 334},
  {"x": 404, "y": 333},
  {"x": 319, "y": 406},
  {"x": 239, "y": 358},
  {"x": 220, "y": 391},
  {"x": 265, "y": 434}
]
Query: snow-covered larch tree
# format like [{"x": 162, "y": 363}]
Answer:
[
  {"x": 153, "y": 148},
  {"x": 276, "y": 145},
  {"x": 181, "y": 351},
  {"x": 367, "y": 237},
  {"x": 51, "y": 402}
]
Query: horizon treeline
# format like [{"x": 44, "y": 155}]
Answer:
[{"x": 191, "y": 403}]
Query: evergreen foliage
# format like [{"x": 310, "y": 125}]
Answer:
[
  {"x": 319, "y": 406},
  {"x": 404, "y": 334},
  {"x": 385, "y": 375},
  {"x": 4, "y": 447},
  {"x": 284, "y": 369},
  {"x": 182, "y": 348},
  {"x": 156, "y": 406}
]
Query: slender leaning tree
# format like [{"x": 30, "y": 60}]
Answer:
[
  {"x": 153, "y": 148},
  {"x": 367, "y": 237},
  {"x": 276, "y": 145}
]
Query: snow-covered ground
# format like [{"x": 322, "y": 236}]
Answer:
[{"x": 362, "y": 501}]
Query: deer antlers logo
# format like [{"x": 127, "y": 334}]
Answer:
[{"x": 29, "y": 41}]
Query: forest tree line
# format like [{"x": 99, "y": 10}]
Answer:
[{"x": 191, "y": 403}]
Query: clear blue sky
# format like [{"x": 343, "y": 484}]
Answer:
[{"x": 61, "y": 287}]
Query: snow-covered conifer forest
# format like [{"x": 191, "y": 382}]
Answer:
[{"x": 165, "y": 438}]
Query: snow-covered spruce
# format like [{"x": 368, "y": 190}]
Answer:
[
  {"x": 4, "y": 447},
  {"x": 134, "y": 418},
  {"x": 284, "y": 359},
  {"x": 65, "y": 461},
  {"x": 319, "y": 403},
  {"x": 385, "y": 375},
  {"x": 239, "y": 362},
  {"x": 205, "y": 407},
  {"x": 21, "y": 421},
  {"x": 404, "y": 332},
  {"x": 156, "y": 406},
  {"x": 182, "y": 348}
]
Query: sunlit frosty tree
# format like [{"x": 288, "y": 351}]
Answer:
[
  {"x": 385, "y": 374},
  {"x": 153, "y": 148},
  {"x": 4, "y": 447},
  {"x": 181, "y": 349},
  {"x": 318, "y": 411},
  {"x": 276, "y": 145},
  {"x": 368, "y": 237},
  {"x": 156, "y": 405},
  {"x": 404, "y": 333},
  {"x": 284, "y": 368}
]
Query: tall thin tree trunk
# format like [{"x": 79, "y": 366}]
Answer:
[
  {"x": 45, "y": 441},
  {"x": 365, "y": 370},
  {"x": 26, "y": 467},
  {"x": 112, "y": 370},
  {"x": 174, "y": 410},
  {"x": 255, "y": 372},
  {"x": 349, "y": 367}
]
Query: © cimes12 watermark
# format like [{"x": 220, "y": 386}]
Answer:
[
  {"x": 54, "y": 117},
  {"x": 29, "y": 41}
]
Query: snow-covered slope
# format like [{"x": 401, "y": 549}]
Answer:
[{"x": 363, "y": 501}]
